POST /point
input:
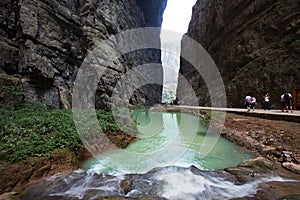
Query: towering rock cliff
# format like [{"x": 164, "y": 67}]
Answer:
[
  {"x": 255, "y": 45},
  {"x": 44, "y": 42}
]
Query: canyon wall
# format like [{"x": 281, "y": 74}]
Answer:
[
  {"x": 255, "y": 45},
  {"x": 44, "y": 42}
]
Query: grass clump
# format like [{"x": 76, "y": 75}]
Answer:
[{"x": 32, "y": 130}]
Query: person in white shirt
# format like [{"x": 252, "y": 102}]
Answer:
[
  {"x": 267, "y": 102},
  {"x": 248, "y": 102}
]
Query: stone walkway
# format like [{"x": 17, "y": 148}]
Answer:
[
  {"x": 268, "y": 114},
  {"x": 272, "y": 112}
]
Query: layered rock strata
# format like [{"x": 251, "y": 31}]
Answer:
[
  {"x": 255, "y": 45},
  {"x": 44, "y": 42}
]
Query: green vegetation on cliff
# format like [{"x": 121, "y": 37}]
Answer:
[{"x": 32, "y": 130}]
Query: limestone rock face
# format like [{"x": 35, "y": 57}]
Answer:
[
  {"x": 255, "y": 45},
  {"x": 11, "y": 91},
  {"x": 44, "y": 43}
]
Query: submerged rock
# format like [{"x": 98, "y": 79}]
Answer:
[{"x": 126, "y": 186}]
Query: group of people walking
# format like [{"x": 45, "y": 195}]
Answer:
[{"x": 286, "y": 101}]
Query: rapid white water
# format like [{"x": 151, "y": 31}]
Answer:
[
  {"x": 81, "y": 182},
  {"x": 174, "y": 183},
  {"x": 180, "y": 185}
]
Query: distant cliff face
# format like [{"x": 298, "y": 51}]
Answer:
[
  {"x": 44, "y": 42},
  {"x": 255, "y": 44}
]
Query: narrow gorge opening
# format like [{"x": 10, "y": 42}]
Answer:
[{"x": 176, "y": 18}]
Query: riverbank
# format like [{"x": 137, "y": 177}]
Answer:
[
  {"x": 271, "y": 134},
  {"x": 36, "y": 142},
  {"x": 276, "y": 143},
  {"x": 275, "y": 140}
]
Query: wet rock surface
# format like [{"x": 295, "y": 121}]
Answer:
[
  {"x": 45, "y": 42},
  {"x": 91, "y": 185},
  {"x": 251, "y": 180},
  {"x": 255, "y": 45}
]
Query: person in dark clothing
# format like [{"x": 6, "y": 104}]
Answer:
[
  {"x": 288, "y": 99},
  {"x": 282, "y": 100}
]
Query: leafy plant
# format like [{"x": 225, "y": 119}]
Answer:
[
  {"x": 139, "y": 107},
  {"x": 31, "y": 130},
  {"x": 205, "y": 118},
  {"x": 15, "y": 90}
]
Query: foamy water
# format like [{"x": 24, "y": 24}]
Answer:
[
  {"x": 174, "y": 183},
  {"x": 186, "y": 185}
]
